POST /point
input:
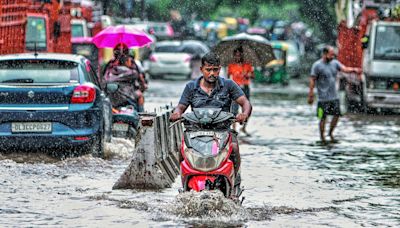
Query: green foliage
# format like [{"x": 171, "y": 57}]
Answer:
[
  {"x": 318, "y": 13},
  {"x": 288, "y": 11}
]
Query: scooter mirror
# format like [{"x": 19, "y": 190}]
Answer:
[{"x": 112, "y": 87}]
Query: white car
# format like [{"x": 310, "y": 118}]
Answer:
[{"x": 174, "y": 57}]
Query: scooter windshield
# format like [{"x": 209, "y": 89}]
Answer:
[
  {"x": 207, "y": 143},
  {"x": 208, "y": 118}
]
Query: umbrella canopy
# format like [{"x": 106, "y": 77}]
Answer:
[
  {"x": 113, "y": 35},
  {"x": 256, "y": 49}
]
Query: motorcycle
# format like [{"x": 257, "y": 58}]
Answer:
[
  {"x": 124, "y": 122},
  {"x": 205, "y": 152},
  {"x": 125, "y": 118}
]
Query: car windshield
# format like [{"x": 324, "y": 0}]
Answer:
[
  {"x": 77, "y": 30},
  {"x": 36, "y": 35},
  {"x": 38, "y": 71},
  {"x": 193, "y": 48},
  {"x": 278, "y": 53},
  {"x": 159, "y": 28},
  {"x": 168, "y": 48},
  {"x": 387, "y": 43}
]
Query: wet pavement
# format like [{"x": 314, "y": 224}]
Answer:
[{"x": 290, "y": 179}]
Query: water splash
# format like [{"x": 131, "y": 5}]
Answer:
[{"x": 119, "y": 148}]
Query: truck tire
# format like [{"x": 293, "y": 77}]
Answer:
[{"x": 353, "y": 106}]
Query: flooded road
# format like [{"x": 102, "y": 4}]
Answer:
[{"x": 289, "y": 179}]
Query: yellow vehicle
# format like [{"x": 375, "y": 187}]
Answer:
[
  {"x": 231, "y": 24},
  {"x": 275, "y": 71},
  {"x": 220, "y": 28}
]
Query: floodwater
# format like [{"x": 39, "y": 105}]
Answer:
[{"x": 290, "y": 179}]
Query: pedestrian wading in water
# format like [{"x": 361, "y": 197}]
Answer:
[{"x": 323, "y": 76}]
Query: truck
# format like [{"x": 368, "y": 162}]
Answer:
[
  {"x": 34, "y": 26},
  {"x": 87, "y": 21},
  {"x": 371, "y": 41}
]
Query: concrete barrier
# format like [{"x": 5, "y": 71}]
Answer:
[{"x": 155, "y": 161}]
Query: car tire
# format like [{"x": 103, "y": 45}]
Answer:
[
  {"x": 97, "y": 148},
  {"x": 107, "y": 116}
]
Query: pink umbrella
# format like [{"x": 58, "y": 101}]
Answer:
[{"x": 113, "y": 35}]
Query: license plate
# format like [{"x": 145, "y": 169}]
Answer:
[
  {"x": 381, "y": 85},
  {"x": 31, "y": 127},
  {"x": 120, "y": 127}
]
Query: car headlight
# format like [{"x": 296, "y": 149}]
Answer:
[{"x": 205, "y": 163}]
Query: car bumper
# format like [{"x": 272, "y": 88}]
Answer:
[
  {"x": 180, "y": 69},
  {"x": 383, "y": 100},
  {"x": 68, "y": 129},
  {"x": 45, "y": 142}
]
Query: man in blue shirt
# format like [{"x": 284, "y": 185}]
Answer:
[
  {"x": 212, "y": 91},
  {"x": 323, "y": 74}
]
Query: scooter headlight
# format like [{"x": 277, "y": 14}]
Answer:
[{"x": 205, "y": 163}]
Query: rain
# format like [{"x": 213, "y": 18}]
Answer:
[{"x": 91, "y": 133}]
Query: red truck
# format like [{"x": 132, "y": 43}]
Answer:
[
  {"x": 85, "y": 23},
  {"x": 34, "y": 25},
  {"x": 372, "y": 44}
]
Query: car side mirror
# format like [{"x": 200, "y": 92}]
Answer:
[
  {"x": 112, "y": 87},
  {"x": 365, "y": 41}
]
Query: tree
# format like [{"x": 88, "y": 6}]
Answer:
[{"x": 321, "y": 14}]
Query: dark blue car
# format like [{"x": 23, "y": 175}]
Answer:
[{"x": 52, "y": 102}]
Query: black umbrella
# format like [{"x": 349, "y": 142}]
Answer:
[{"x": 256, "y": 49}]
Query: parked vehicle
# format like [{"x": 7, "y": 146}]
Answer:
[
  {"x": 373, "y": 44},
  {"x": 28, "y": 25},
  {"x": 174, "y": 57},
  {"x": 207, "y": 146},
  {"x": 52, "y": 102}
]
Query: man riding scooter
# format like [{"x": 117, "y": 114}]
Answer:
[{"x": 212, "y": 91}]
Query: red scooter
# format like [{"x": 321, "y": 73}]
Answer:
[{"x": 205, "y": 152}]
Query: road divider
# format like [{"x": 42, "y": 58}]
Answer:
[{"x": 155, "y": 161}]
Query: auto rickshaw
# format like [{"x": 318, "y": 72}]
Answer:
[
  {"x": 275, "y": 71},
  {"x": 231, "y": 24}
]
